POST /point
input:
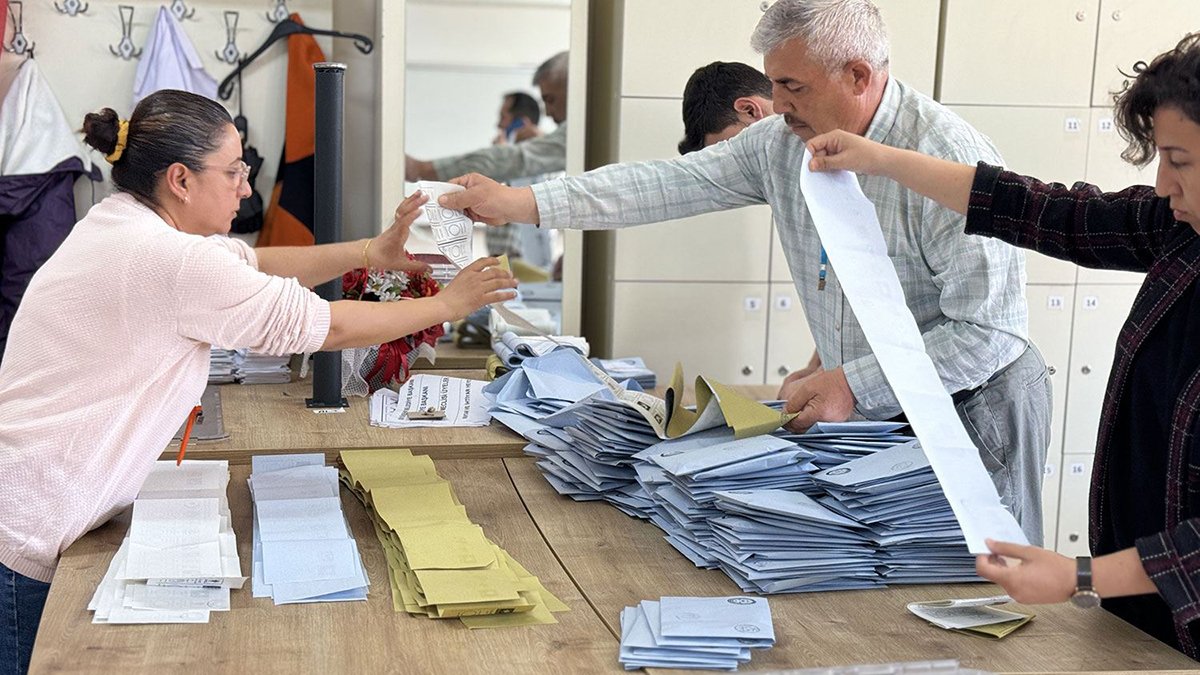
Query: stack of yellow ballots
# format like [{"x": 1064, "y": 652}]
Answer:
[{"x": 441, "y": 565}]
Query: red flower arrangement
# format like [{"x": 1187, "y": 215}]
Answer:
[{"x": 390, "y": 363}]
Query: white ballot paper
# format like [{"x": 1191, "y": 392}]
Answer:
[
  {"x": 451, "y": 229},
  {"x": 966, "y": 613},
  {"x": 453, "y": 402},
  {"x": 849, "y": 229}
]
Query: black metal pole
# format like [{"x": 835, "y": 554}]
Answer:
[{"x": 327, "y": 216}]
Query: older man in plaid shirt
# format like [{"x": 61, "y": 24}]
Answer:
[{"x": 828, "y": 64}]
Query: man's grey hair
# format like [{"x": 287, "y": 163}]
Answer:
[
  {"x": 553, "y": 69},
  {"x": 836, "y": 32}
]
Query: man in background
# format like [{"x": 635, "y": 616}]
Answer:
[{"x": 535, "y": 157}]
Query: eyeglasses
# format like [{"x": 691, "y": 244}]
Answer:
[{"x": 238, "y": 173}]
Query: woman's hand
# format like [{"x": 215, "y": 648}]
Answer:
[
  {"x": 842, "y": 150},
  {"x": 387, "y": 250},
  {"x": 1031, "y": 575},
  {"x": 478, "y": 284}
]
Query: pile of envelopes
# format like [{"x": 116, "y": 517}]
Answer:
[
  {"x": 179, "y": 560},
  {"x": 441, "y": 565},
  {"x": 844, "y": 506},
  {"x": 303, "y": 548},
  {"x": 708, "y": 633}
]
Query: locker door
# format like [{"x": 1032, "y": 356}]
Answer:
[
  {"x": 1020, "y": 52},
  {"x": 1136, "y": 30},
  {"x": 913, "y": 33},
  {"x": 665, "y": 40},
  {"x": 789, "y": 341},
  {"x": 1050, "y": 497},
  {"x": 721, "y": 246},
  {"x": 1100, "y": 311},
  {"x": 1073, "y": 505},
  {"x": 1050, "y": 144},
  {"x": 1050, "y": 310},
  {"x": 714, "y": 329}
]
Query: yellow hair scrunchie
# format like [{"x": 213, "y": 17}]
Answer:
[{"x": 122, "y": 139}]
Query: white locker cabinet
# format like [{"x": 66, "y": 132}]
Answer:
[
  {"x": 1019, "y": 52},
  {"x": 1136, "y": 30},
  {"x": 912, "y": 27},
  {"x": 714, "y": 329},
  {"x": 790, "y": 343},
  {"x": 1050, "y": 144},
  {"x": 780, "y": 271},
  {"x": 1105, "y": 168},
  {"x": 664, "y": 41},
  {"x": 1051, "y": 480},
  {"x": 1073, "y": 505},
  {"x": 1100, "y": 311},
  {"x": 1050, "y": 313},
  {"x": 722, "y": 246}
]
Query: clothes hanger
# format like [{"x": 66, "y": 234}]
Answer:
[{"x": 283, "y": 29}]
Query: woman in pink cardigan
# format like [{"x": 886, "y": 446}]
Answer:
[{"x": 109, "y": 350}]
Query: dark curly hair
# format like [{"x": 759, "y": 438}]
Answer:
[
  {"x": 1171, "y": 79},
  {"x": 168, "y": 126}
]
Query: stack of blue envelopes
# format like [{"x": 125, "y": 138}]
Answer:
[
  {"x": 897, "y": 495},
  {"x": 708, "y": 633},
  {"x": 683, "y": 477},
  {"x": 583, "y": 436},
  {"x": 303, "y": 549},
  {"x": 834, "y": 443},
  {"x": 628, "y": 368}
]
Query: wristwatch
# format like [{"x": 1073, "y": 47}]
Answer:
[{"x": 1085, "y": 596}]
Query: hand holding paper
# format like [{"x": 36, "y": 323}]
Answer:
[{"x": 486, "y": 201}]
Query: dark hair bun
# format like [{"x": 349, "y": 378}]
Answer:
[{"x": 100, "y": 130}]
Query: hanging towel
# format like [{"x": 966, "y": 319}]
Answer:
[
  {"x": 289, "y": 217},
  {"x": 171, "y": 62},
  {"x": 40, "y": 159}
]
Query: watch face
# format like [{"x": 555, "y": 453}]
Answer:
[{"x": 1085, "y": 599}]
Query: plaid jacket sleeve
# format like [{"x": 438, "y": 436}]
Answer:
[
  {"x": 1172, "y": 561},
  {"x": 1124, "y": 230}
]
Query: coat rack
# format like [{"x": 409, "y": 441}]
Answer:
[
  {"x": 125, "y": 48},
  {"x": 180, "y": 11},
  {"x": 230, "y": 53},
  {"x": 20, "y": 45},
  {"x": 279, "y": 12},
  {"x": 71, "y": 7}
]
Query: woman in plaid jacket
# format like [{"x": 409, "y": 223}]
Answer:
[{"x": 1145, "y": 500}]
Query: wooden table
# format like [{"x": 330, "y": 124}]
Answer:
[
  {"x": 351, "y": 637},
  {"x": 618, "y": 561},
  {"x": 266, "y": 418},
  {"x": 453, "y": 357}
]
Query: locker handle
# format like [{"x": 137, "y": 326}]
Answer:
[
  {"x": 783, "y": 370},
  {"x": 1051, "y": 369},
  {"x": 1086, "y": 370},
  {"x": 1081, "y": 15},
  {"x": 747, "y": 370},
  {"x": 1073, "y": 537}
]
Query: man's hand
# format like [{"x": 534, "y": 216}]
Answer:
[
  {"x": 417, "y": 169},
  {"x": 486, "y": 201},
  {"x": 1031, "y": 575},
  {"x": 527, "y": 130},
  {"x": 821, "y": 397},
  {"x": 387, "y": 250}
]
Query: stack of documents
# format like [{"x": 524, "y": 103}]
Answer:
[
  {"x": 441, "y": 565},
  {"x": 431, "y": 401},
  {"x": 684, "y": 476},
  {"x": 835, "y": 443},
  {"x": 303, "y": 549},
  {"x": 256, "y": 368},
  {"x": 706, "y": 633},
  {"x": 221, "y": 363},
  {"x": 896, "y": 493},
  {"x": 521, "y": 320},
  {"x": 514, "y": 349},
  {"x": 976, "y": 616},
  {"x": 628, "y": 368},
  {"x": 180, "y": 558}
]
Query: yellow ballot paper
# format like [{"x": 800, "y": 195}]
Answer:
[
  {"x": 718, "y": 405},
  {"x": 440, "y": 564}
]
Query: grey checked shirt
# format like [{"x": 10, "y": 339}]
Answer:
[
  {"x": 966, "y": 292},
  {"x": 536, "y": 156}
]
